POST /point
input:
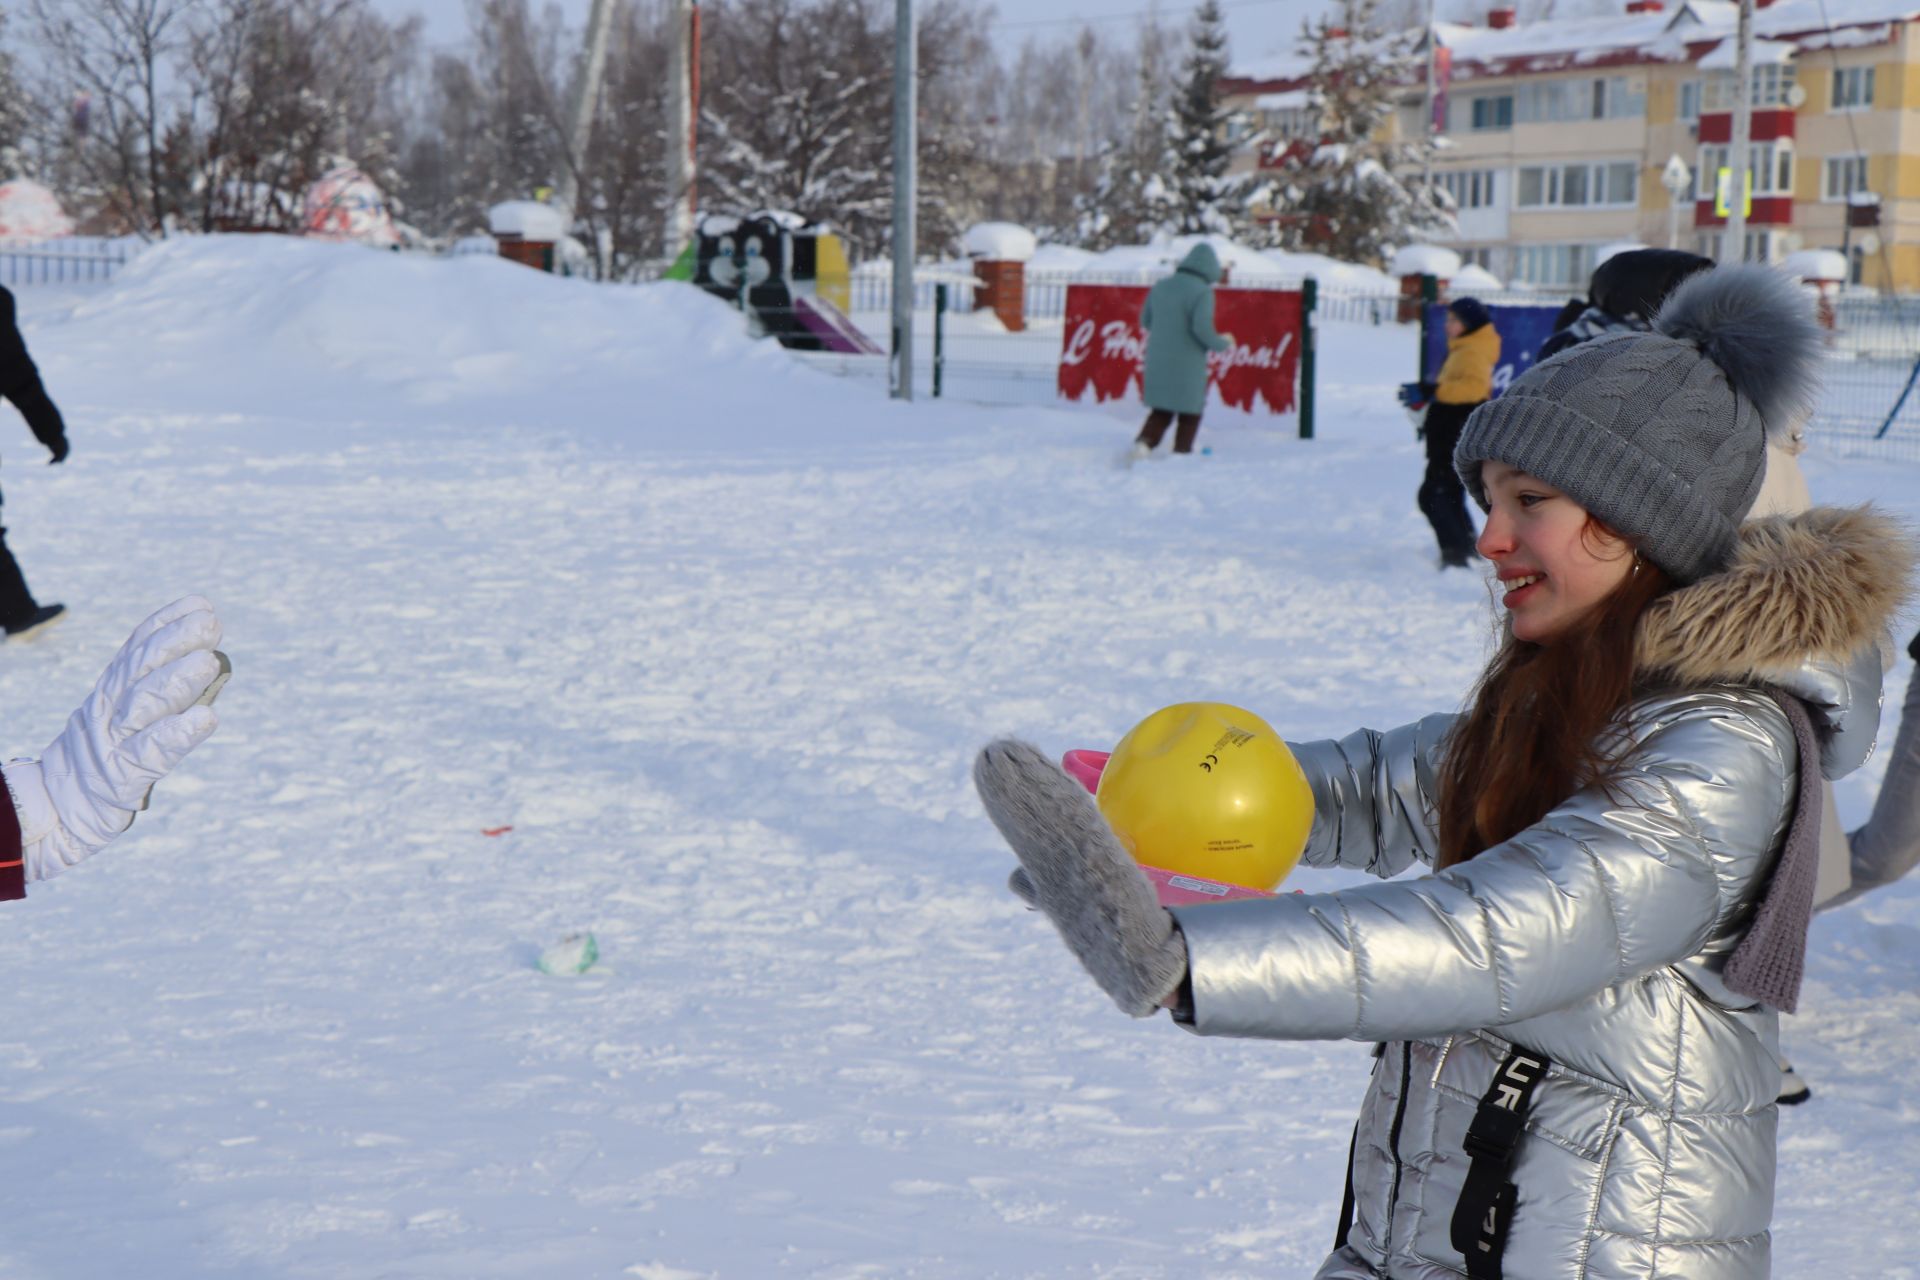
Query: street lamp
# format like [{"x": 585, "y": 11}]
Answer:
[{"x": 1678, "y": 180}]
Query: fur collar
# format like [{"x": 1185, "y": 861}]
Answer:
[{"x": 1821, "y": 585}]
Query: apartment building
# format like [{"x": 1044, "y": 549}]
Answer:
[{"x": 1559, "y": 138}]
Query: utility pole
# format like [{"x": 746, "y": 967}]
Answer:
[
  {"x": 586, "y": 92},
  {"x": 1733, "y": 243},
  {"x": 683, "y": 108},
  {"x": 904, "y": 97},
  {"x": 1426, "y": 176}
]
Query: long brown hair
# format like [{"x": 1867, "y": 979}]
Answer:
[{"x": 1535, "y": 732}]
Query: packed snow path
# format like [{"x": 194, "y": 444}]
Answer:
[{"x": 722, "y": 671}]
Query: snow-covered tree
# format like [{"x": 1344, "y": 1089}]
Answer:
[
  {"x": 799, "y": 106},
  {"x": 1201, "y": 130},
  {"x": 1359, "y": 193},
  {"x": 1132, "y": 199},
  {"x": 15, "y": 110}
]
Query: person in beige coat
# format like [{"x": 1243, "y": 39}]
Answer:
[{"x": 1888, "y": 845}]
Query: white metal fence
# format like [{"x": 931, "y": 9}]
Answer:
[{"x": 68, "y": 260}]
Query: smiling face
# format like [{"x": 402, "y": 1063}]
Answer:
[{"x": 1554, "y": 562}]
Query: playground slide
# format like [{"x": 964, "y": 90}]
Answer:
[{"x": 832, "y": 327}]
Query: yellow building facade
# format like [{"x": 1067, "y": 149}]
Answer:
[{"x": 1559, "y": 139}]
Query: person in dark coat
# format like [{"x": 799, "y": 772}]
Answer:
[
  {"x": 20, "y": 613},
  {"x": 1178, "y": 320},
  {"x": 1624, "y": 294},
  {"x": 1465, "y": 383}
]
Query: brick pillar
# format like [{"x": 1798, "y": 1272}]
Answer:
[
  {"x": 1002, "y": 289},
  {"x": 1410, "y": 297},
  {"x": 537, "y": 254}
]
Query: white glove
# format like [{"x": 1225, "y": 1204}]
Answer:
[{"x": 147, "y": 711}]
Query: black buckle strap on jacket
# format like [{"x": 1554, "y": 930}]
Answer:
[
  {"x": 1353, "y": 1146},
  {"x": 1485, "y": 1212}
]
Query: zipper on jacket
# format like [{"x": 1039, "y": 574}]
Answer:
[{"x": 1393, "y": 1143}]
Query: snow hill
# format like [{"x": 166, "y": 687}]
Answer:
[{"x": 716, "y": 636}]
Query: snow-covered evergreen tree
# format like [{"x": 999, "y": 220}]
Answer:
[
  {"x": 1200, "y": 126},
  {"x": 1133, "y": 198},
  {"x": 1359, "y": 194}
]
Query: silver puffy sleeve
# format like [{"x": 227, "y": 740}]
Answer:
[
  {"x": 1600, "y": 891},
  {"x": 1373, "y": 796}
]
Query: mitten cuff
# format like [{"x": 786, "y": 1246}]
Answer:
[{"x": 13, "y": 867}]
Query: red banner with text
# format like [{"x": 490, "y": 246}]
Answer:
[{"x": 1103, "y": 346}]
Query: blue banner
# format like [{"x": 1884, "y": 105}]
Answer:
[{"x": 1523, "y": 331}]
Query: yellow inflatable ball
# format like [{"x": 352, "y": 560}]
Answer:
[{"x": 1209, "y": 790}]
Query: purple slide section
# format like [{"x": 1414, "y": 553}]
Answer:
[{"x": 829, "y": 324}]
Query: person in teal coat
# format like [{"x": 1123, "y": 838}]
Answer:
[{"x": 1178, "y": 320}]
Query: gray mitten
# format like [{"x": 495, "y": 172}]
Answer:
[
  {"x": 1022, "y": 885},
  {"x": 1097, "y": 896}
]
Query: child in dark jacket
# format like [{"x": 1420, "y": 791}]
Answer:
[{"x": 20, "y": 613}]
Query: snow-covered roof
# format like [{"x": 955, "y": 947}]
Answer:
[
  {"x": 1474, "y": 279},
  {"x": 1816, "y": 264},
  {"x": 1425, "y": 260},
  {"x": 28, "y": 211},
  {"x": 528, "y": 219},
  {"x": 1606, "y": 35},
  {"x": 1331, "y": 272},
  {"x": 1289, "y": 100},
  {"x": 999, "y": 242},
  {"x": 1058, "y": 257},
  {"x": 1151, "y": 261},
  {"x": 1765, "y": 53}
]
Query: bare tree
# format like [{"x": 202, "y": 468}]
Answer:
[
  {"x": 114, "y": 52},
  {"x": 624, "y": 186},
  {"x": 280, "y": 91},
  {"x": 16, "y": 110},
  {"x": 491, "y": 123}
]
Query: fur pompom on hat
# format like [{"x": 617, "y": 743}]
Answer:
[{"x": 1663, "y": 435}]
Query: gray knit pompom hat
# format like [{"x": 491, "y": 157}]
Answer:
[{"x": 1663, "y": 435}]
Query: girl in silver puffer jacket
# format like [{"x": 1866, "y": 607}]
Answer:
[{"x": 1577, "y": 1011}]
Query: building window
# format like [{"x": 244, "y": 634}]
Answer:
[
  {"x": 1556, "y": 265},
  {"x": 1770, "y": 165},
  {"x": 1470, "y": 188},
  {"x": 1842, "y": 176},
  {"x": 1481, "y": 257},
  {"x": 1762, "y": 245},
  {"x": 1771, "y": 85},
  {"x": 1562, "y": 101},
  {"x": 1490, "y": 113},
  {"x": 1689, "y": 99},
  {"x": 1578, "y": 186},
  {"x": 1289, "y": 123},
  {"x": 1853, "y": 89}
]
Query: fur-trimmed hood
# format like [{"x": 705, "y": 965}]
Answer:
[{"x": 1805, "y": 606}]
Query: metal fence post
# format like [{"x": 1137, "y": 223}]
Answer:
[
  {"x": 1429, "y": 294},
  {"x": 1309, "y": 301},
  {"x": 939, "y": 336}
]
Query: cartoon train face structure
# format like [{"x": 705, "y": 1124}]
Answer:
[{"x": 783, "y": 271}]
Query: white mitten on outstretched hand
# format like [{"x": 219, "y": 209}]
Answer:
[{"x": 142, "y": 718}]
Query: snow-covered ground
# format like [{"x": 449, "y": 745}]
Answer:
[{"x": 716, "y": 635}]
